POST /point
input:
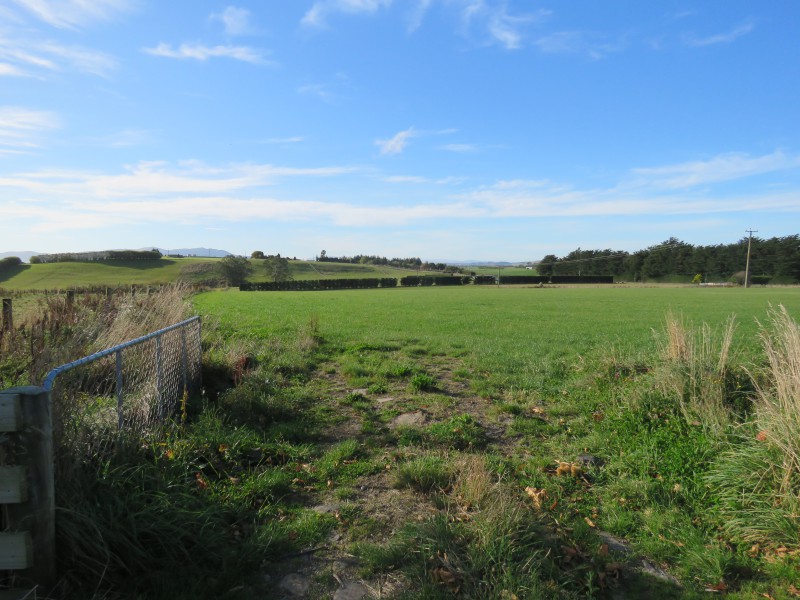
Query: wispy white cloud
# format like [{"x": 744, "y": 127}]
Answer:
[
  {"x": 507, "y": 29},
  {"x": 320, "y": 90},
  {"x": 579, "y": 42},
  {"x": 72, "y": 14},
  {"x": 720, "y": 38},
  {"x": 460, "y": 147},
  {"x": 202, "y": 53},
  {"x": 418, "y": 14},
  {"x": 725, "y": 167},
  {"x": 406, "y": 179},
  {"x": 416, "y": 179},
  {"x": 159, "y": 179},
  {"x": 396, "y": 144},
  {"x": 36, "y": 58},
  {"x": 127, "y": 138},
  {"x": 7, "y": 70},
  {"x": 494, "y": 22},
  {"x": 295, "y": 139},
  {"x": 82, "y": 59},
  {"x": 20, "y": 127},
  {"x": 316, "y": 15},
  {"x": 235, "y": 20},
  {"x": 192, "y": 192}
]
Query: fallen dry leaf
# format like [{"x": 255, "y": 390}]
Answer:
[
  {"x": 793, "y": 591},
  {"x": 590, "y": 523},
  {"x": 536, "y": 495},
  {"x": 720, "y": 587},
  {"x": 446, "y": 577}
]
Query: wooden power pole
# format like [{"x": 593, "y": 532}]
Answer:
[{"x": 747, "y": 264}]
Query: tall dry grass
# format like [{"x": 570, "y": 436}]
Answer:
[
  {"x": 756, "y": 480},
  {"x": 778, "y": 404},
  {"x": 698, "y": 364}
]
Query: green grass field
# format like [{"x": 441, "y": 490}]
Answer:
[
  {"x": 509, "y": 325},
  {"x": 63, "y": 276},
  {"x": 512, "y": 387},
  {"x": 450, "y": 442}
]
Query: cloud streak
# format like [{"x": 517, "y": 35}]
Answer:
[
  {"x": 36, "y": 58},
  {"x": 202, "y": 53},
  {"x": 196, "y": 193},
  {"x": 396, "y": 144},
  {"x": 316, "y": 16},
  {"x": 236, "y": 21},
  {"x": 73, "y": 14},
  {"x": 721, "y": 38},
  {"x": 20, "y": 127}
]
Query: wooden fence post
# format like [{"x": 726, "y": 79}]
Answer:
[
  {"x": 8, "y": 315},
  {"x": 26, "y": 414}
]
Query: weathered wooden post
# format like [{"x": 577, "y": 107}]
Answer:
[
  {"x": 8, "y": 315},
  {"x": 28, "y": 488}
]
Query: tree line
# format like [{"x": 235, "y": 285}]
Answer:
[
  {"x": 402, "y": 263},
  {"x": 775, "y": 259}
]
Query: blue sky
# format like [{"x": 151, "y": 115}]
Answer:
[{"x": 444, "y": 129}]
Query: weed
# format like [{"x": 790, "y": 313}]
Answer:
[
  {"x": 378, "y": 388},
  {"x": 461, "y": 432},
  {"x": 422, "y": 382},
  {"x": 425, "y": 474},
  {"x": 399, "y": 371}
]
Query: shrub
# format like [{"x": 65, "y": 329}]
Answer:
[{"x": 8, "y": 263}]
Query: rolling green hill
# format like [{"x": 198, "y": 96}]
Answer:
[{"x": 66, "y": 275}]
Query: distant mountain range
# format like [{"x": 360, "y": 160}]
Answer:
[
  {"x": 207, "y": 252},
  {"x": 479, "y": 263}
]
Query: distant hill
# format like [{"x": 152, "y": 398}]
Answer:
[
  {"x": 199, "y": 252},
  {"x": 481, "y": 263},
  {"x": 25, "y": 255}
]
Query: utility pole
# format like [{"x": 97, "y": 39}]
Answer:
[{"x": 747, "y": 265}]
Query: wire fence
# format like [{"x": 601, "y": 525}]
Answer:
[{"x": 128, "y": 391}]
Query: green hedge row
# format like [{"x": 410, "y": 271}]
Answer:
[
  {"x": 319, "y": 284},
  {"x": 536, "y": 279},
  {"x": 414, "y": 281},
  {"x": 520, "y": 279}
]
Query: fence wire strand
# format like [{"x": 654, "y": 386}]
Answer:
[{"x": 130, "y": 391}]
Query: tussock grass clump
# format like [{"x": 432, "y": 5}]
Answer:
[
  {"x": 778, "y": 406},
  {"x": 698, "y": 370},
  {"x": 758, "y": 479},
  {"x": 426, "y": 473}
]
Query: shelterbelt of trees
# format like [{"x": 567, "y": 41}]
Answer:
[
  {"x": 776, "y": 260},
  {"x": 402, "y": 263}
]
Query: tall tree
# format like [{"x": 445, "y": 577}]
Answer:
[
  {"x": 277, "y": 268},
  {"x": 234, "y": 269}
]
